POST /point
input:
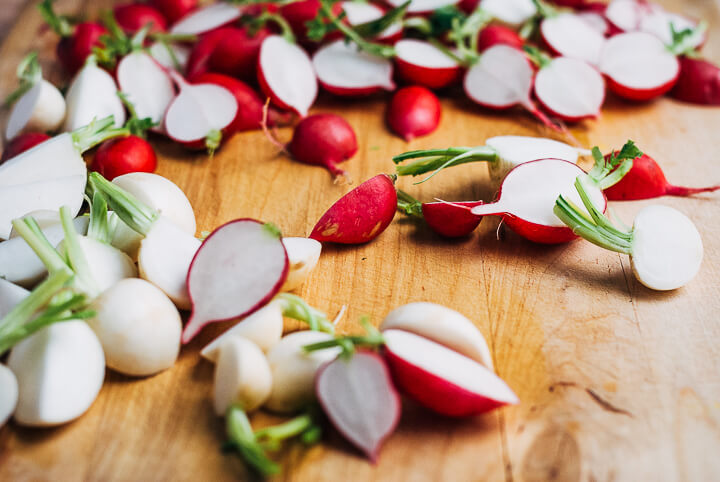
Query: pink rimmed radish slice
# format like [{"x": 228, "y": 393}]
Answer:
[
  {"x": 92, "y": 95},
  {"x": 442, "y": 379},
  {"x": 644, "y": 16},
  {"x": 596, "y": 21},
  {"x": 171, "y": 56},
  {"x": 493, "y": 35},
  {"x": 422, "y": 63},
  {"x": 206, "y": 19},
  {"x": 146, "y": 84},
  {"x": 570, "y": 89},
  {"x": 358, "y": 13},
  {"x": 198, "y": 115},
  {"x": 8, "y": 394},
  {"x": 511, "y": 12},
  {"x": 237, "y": 270},
  {"x": 286, "y": 75},
  {"x": 413, "y": 112},
  {"x": 567, "y": 34},
  {"x": 343, "y": 69},
  {"x": 422, "y": 6},
  {"x": 359, "y": 398},
  {"x": 638, "y": 66},
  {"x": 527, "y": 198},
  {"x": 626, "y": 15}
]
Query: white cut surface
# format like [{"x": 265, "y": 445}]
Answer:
[
  {"x": 159, "y": 52},
  {"x": 569, "y": 35},
  {"x": 206, "y": 19},
  {"x": 344, "y": 65},
  {"x": 511, "y": 12},
  {"x": 289, "y": 73},
  {"x": 423, "y": 6},
  {"x": 596, "y": 21},
  {"x": 10, "y": 295},
  {"x": 146, "y": 84},
  {"x": 55, "y": 158},
  {"x": 8, "y": 394},
  {"x": 502, "y": 78},
  {"x": 303, "y": 255},
  {"x": 638, "y": 60},
  {"x": 570, "y": 87},
  {"x": 515, "y": 150},
  {"x": 42, "y": 108},
  {"x": 92, "y": 95},
  {"x": 627, "y": 14},
  {"x": 242, "y": 376},
  {"x": 658, "y": 22},
  {"x": 424, "y": 54},
  {"x": 357, "y": 13},
  {"x": 199, "y": 109}
]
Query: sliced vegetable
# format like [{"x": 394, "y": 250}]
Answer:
[
  {"x": 206, "y": 19},
  {"x": 343, "y": 69},
  {"x": 174, "y": 10},
  {"x": 303, "y": 255},
  {"x": 242, "y": 376},
  {"x": 451, "y": 220},
  {"x": 92, "y": 95},
  {"x": 21, "y": 143}
]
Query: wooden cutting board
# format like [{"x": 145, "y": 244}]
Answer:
[{"x": 618, "y": 383}]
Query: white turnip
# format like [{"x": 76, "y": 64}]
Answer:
[
  {"x": 8, "y": 394},
  {"x": 242, "y": 376},
  {"x": 92, "y": 95},
  {"x": 303, "y": 255}
]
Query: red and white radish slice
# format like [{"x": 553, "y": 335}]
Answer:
[
  {"x": 146, "y": 84},
  {"x": 42, "y": 108},
  {"x": 206, "y": 19},
  {"x": 596, "y": 21},
  {"x": 358, "y": 13},
  {"x": 343, "y": 69},
  {"x": 570, "y": 89},
  {"x": 661, "y": 24},
  {"x": 53, "y": 159},
  {"x": 420, "y": 62},
  {"x": 159, "y": 51},
  {"x": 359, "y": 398},
  {"x": 237, "y": 269},
  {"x": 502, "y": 78},
  {"x": 92, "y": 95},
  {"x": 286, "y": 75},
  {"x": 442, "y": 379},
  {"x": 638, "y": 66},
  {"x": 568, "y": 35},
  {"x": 423, "y": 6},
  {"x": 511, "y": 12},
  {"x": 627, "y": 15}
]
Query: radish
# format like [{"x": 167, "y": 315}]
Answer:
[
  {"x": 146, "y": 85},
  {"x": 170, "y": 56},
  {"x": 8, "y": 394},
  {"x": 199, "y": 58},
  {"x": 450, "y": 220},
  {"x": 122, "y": 156},
  {"x": 135, "y": 16},
  {"x": 359, "y": 398},
  {"x": 286, "y": 75},
  {"x": 423, "y": 63},
  {"x": 413, "y": 111},
  {"x": 511, "y": 12},
  {"x": 360, "y": 215},
  {"x": 698, "y": 83},
  {"x": 665, "y": 247},
  {"x": 344, "y": 69},
  {"x": 303, "y": 255},
  {"x": 37, "y": 105},
  {"x": 664, "y": 25},
  {"x": 568, "y": 35},
  {"x": 242, "y": 376},
  {"x": 299, "y": 13},
  {"x": 244, "y": 263},
  {"x": 237, "y": 51},
  {"x": 199, "y": 114},
  {"x": 45, "y": 219},
  {"x": 10, "y": 295},
  {"x": 498, "y": 35},
  {"x": 92, "y": 95},
  {"x": 422, "y": 6},
  {"x": 638, "y": 66},
  {"x": 22, "y": 143},
  {"x": 442, "y": 379},
  {"x": 206, "y": 19},
  {"x": 174, "y": 10},
  {"x": 634, "y": 15},
  {"x": 361, "y": 13},
  {"x": 626, "y": 15}
]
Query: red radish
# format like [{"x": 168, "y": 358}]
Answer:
[
  {"x": 646, "y": 180},
  {"x": 300, "y": 12},
  {"x": 498, "y": 35},
  {"x": 325, "y": 140},
  {"x": 250, "y": 112},
  {"x": 413, "y": 111},
  {"x": 92, "y": 95},
  {"x": 358, "y": 13},
  {"x": 511, "y": 12},
  {"x": 420, "y": 62},
  {"x": 206, "y": 19},
  {"x": 124, "y": 155},
  {"x": 22, "y": 143},
  {"x": 359, "y": 398},
  {"x": 238, "y": 268},
  {"x": 567, "y": 34},
  {"x": 638, "y": 66},
  {"x": 361, "y": 215},
  {"x": 441, "y": 379},
  {"x": 199, "y": 60},
  {"x": 698, "y": 83},
  {"x": 174, "y": 10},
  {"x": 422, "y": 6},
  {"x": 199, "y": 114},
  {"x": 451, "y": 220},
  {"x": 146, "y": 84},
  {"x": 286, "y": 75},
  {"x": 236, "y": 54},
  {"x": 134, "y": 16},
  {"x": 342, "y": 68}
]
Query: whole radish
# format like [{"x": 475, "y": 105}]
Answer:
[
  {"x": 8, "y": 394},
  {"x": 174, "y": 10},
  {"x": 361, "y": 215},
  {"x": 413, "y": 112},
  {"x": 134, "y": 16},
  {"x": 450, "y": 220},
  {"x": 498, "y": 35},
  {"x": 698, "y": 83},
  {"x": 242, "y": 376},
  {"x": 237, "y": 51},
  {"x": 22, "y": 143},
  {"x": 422, "y": 63}
]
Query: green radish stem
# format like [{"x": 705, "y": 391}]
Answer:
[
  {"x": 76, "y": 257},
  {"x": 131, "y": 210},
  {"x": 348, "y": 344},
  {"x": 97, "y": 131},
  {"x": 409, "y": 205},
  {"x": 138, "y": 127},
  {"x": 685, "y": 41},
  {"x": 60, "y": 24},
  {"x": 297, "y": 308},
  {"x": 213, "y": 141},
  {"x": 376, "y": 27},
  {"x": 29, "y": 73},
  {"x": 30, "y": 231},
  {"x": 435, "y": 160},
  {"x": 537, "y": 56}
]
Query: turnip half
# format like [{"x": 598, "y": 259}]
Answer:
[
  {"x": 242, "y": 376},
  {"x": 92, "y": 95},
  {"x": 344, "y": 69},
  {"x": 146, "y": 84},
  {"x": 8, "y": 394}
]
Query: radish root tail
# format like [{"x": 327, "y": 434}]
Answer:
[{"x": 264, "y": 124}]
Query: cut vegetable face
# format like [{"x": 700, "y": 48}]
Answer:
[
  {"x": 567, "y": 34},
  {"x": 8, "y": 394},
  {"x": 42, "y": 108},
  {"x": 92, "y": 95},
  {"x": 171, "y": 56},
  {"x": 134, "y": 16},
  {"x": 146, "y": 84},
  {"x": 358, "y": 13},
  {"x": 359, "y": 398},
  {"x": 303, "y": 255},
  {"x": 206, "y": 19},
  {"x": 343, "y": 69},
  {"x": 422, "y": 63},
  {"x": 238, "y": 268},
  {"x": 441, "y": 379},
  {"x": 242, "y": 376},
  {"x": 413, "y": 112},
  {"x": 511, "y": 12},
  {"x": 570, "y": 89}
]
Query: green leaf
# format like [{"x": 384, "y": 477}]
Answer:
[{"x": 60, "y": 24}]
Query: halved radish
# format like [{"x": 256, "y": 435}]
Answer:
[
  {"x": 146, "y": 84},
  {"x": 300, "y": 12},
  {"x": 358, "y": 13},
  {"x": 661, "y": 24},
  {"x": 626, "y": 15},
  {"x": 171, "y": 56},
  {"x": 10, "y": 295},
  {"x": 442, "y": 379},
  {"x": 596, "y": 21},
  {"x": 511, "y": 12},
  {"x": 498, "y": 35},
  {"x": 570, "y": 89},
  {"x": 567, "y": 34},
  {"x": 343, "y": 69},
  {"x": 237, "y": 269},
  {"x": 420, "y": 62},
  {"x": 644, "y": 16},
  {"x": 638, "y": 66},
  {"x": 206, "y": 19},
  {"x": 423, "y": 6},
  {"x": 286, "y": 75},
  {"x": 303, "y": 255}
]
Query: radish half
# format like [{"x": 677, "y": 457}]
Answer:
[
  {"x": 570, "y": 89},
  {"x": 171, "y": 56},
  {"x": 343, "y": 69},
  {"x": 422, "y": 6},
  {"x": 42, "y": 108},
  {"x": 626, "y": 15},
  {"x": 420, "y": 62},
  {"x": 237, "y": 270},
  {"x": 92, "y": 95},
  {"x": 358, "y": 13},
  {"x": 511, "y": 12},
  {"x": 146, "y": 84},
  {"x": 567, "y": 34},
  {"x": 242, "y": 376},
  {"x": 661, "y": 24},
  {"x": 206, "y": 19}
]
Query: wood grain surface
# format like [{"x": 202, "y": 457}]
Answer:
[{"x": 617, "y": 383}]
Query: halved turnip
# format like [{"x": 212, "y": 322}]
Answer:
[
  {"x": 626, "y": 15},
  {"x": 344, "y": 69},
  {"x": 567, "y": 34},
  {"x": 570, "y": 89},
  {"x": 420, "y": 62},
  {"x": 242, "y": 376},
  {"x": 8, "y": 394},
  {"x": 206, "y": 19},
  {"x": 146, "y": 84},
  {"x": 511, "y": 12},
  {"x": 92, "y": 95},
  {"x": 303, "y": 255}
]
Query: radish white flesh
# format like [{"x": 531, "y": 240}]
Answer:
[
  {"x": 570, "y": 88},
  {"x": 53, "y": 159},
  {"x": 288, "y": 73},
  {"x": 42, "y": 109},
  {"x": 424, "y": 54},
  {"x": 511, "y": 12},
  {"x": 92, "y": 95},
  {"x": 658, "y": 22},
  {"x": 501, "y": 78},
  {"x": 146, "y": 84},
  {"x": 10, "y": 295},
  {"x": 242, "y": 376},
  {"x": 441, "y": 325},
  {"x": 138, "y": 327},
  {"x": 60, "y": 370},
  {"x": 596, "y": 21},
  {"x": 293, "y": 370},
  {"x": 359, "y": 398},
  {"x": 303, "y": 255},
  {"x": 343, "y": 66},
  {"x": 107, "y": 264},
  {"x": 44, "y": 218},
  {"x": 206, "y": 19},
  {"x": 423, "y": 6},
  {"x": 160, "y": 53},
  {"x": 19, "y": 263},
  {"x": 8, "y": 394},
  {"x": 238, "y": 268},
  {"x": 569, "y": 35},
  {"x": 357, "y": 13}
]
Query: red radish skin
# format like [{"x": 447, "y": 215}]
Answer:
[
  {"x": 414, "y": 111},
  {"x": 421, "y": 63},
  {"x": 22, "y": 143},
  {"x": 134, "y": 16},
  {"x": 236, "y": 53},
  {"x": 361, "y": 215},
  {"x": 123, "y": 156},
  {"x": 499, "y": 35},
  {"x": 323, "y": 140},
  {"x": 367, "y": 417},
  {"x": 199, "y": 61},
  {"x": 174, "y": 10},
  {"x": 451, "y": 220},
  {"x": 75, "y": 49},
  {"x": 698, "y": 83},
  {"x": 646, "y": 180},
  {"x": 299, "y": 13}
]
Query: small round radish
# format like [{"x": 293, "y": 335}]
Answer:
[
  {"x": 698, "y": 83},
  {"x": 413, "y": 112},
  {"x": 10, "y": 295},
  {"x": 60, "y": 371},
  {"x": 141, "y": 337},
  {"x": 358, "y": 13},
  {"x": 441, "y": 325},
  {"x": 422, "y": 6},
  {"x": 22, "y": 143},
  {"x": 134, "y": 16},
  {"x": 343, "y": 69},
  {"x": 498, "y": 35},
  {"x": 303, "y": 255},
  {"x": 511, "y": 12},
  {"x": 567, "y": 34},
  {"x": 293, "y": 370},
  {"x": 146, "y": 84},
  {"x": 206, "y": 19},
  {"x": 451, "y": 220},
  {"x": 286, "y": 75},
  {"x": 42, "y": 108},
  {"x": 92, "y": 95},
  {"x": 325, "y": 140},
  {"x": 638, "y": 66},
  {"x": 361, "y": 215},
  {"x": 8, "y": 394},
  {"x": 121, "y": 156},
  {"x": 174, "y": 10},
  {"x": 422, "y": 63},
  {"x": 570, "y": 89},
  {"x": 442, "y": 379},
  {"x": 242, "y": 376}
]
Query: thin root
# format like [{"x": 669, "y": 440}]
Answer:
[
  {"x": 266, "y": 130},
  {"x": 340, "y": 315}
]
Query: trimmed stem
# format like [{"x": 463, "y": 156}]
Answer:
[
  {"x": 97, "y": 131},
  {"x": 297, "y": 308},
  {"x": 213, "y": 141},
  {"x": 130, "y": 209},
  {"x": 409, "y": 205},
  {"x": 76, "y": 256},
  {"x": 436, "y": 160},
  {"x": 242, "y": 439},
  {"x": 291, "y": 428},
  {"x": 29, "y": 73},
  {"x": 59, "y": 24},
  {"x": 348, "y": 344},
  {"x": 444, "y": 49}
]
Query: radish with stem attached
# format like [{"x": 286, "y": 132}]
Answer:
[
  {"x": 498, "y": 35},
  {"x": 451, "y": 220},
  {"x": 92, "y": 95}
]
